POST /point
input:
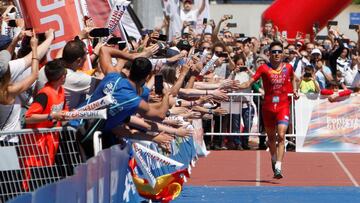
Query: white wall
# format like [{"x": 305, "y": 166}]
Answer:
[{"x": 248, "y": 17}]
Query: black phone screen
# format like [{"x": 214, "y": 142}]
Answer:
[{"x": 159, "y": 84}]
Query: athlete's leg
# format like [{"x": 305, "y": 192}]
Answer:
[
  {"x": 282, "y": 125},
  {"x": 270, "y": 128},
  {"x": 281, "y": 130}
]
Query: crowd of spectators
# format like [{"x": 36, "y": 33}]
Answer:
[{"x": 196, "y": 70}]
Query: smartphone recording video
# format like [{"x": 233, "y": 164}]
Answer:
[
  {"x": 159, "y": 84},
  {"x": 332, "y": 23},
  {"x": 99, "y": 32},
  {"x": 122, "y": 45},
  {"x": 231, "y": 25},
  {"x": 114, "y": 40},
  {"x": 223, "y": 54},
  {"x": 12, "y": 23},
  {"x": 321, "y": 37},
  {"x": 162, "y": 38},
  {"x": 205, "y": 21},
  {"x": 353, "y": 27}
]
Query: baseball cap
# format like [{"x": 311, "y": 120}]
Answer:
[
  {"x": 188, "y": 1},
  {"x": 4, "y": 41},
  {"x": 172, "y": 51},
  {"x": 315, "y": 51},
  {"x": 5, "y": 57}
]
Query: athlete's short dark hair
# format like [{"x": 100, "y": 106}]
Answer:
[{"x": 276, "y": 43}]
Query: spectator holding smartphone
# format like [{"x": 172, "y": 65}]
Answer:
[
  {"x": 308, "y": 83},
  {"x": 322, "y": 72},
  {"x": 11, "y": 89},
  {"x": 188, "y": 13}
]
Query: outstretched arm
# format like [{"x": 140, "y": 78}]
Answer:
[
  {"x": 106, "y": 53},
  {"x": 202, "y": 7},
  {"x": 23, "y": 85},
  {"x": 42, "y": 49}
]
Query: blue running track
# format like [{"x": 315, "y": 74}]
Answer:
[{"x": 224, "y": 194}]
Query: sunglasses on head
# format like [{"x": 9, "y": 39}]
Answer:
[{"x": 276, "y": 51}]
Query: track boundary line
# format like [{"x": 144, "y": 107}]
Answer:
[
  {"x": 258, "y": 162},
  {"x": 344, "y": 168}
]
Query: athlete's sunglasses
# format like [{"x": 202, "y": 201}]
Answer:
[{"x": 276, "y": 51}]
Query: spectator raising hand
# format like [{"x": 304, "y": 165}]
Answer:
[{"x": 11, "y": 90}]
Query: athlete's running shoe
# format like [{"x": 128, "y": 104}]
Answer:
[
  {"x": 277, "y": 174},
  {"x": 273, "y": 165}
]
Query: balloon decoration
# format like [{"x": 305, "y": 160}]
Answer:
[{"x": 300, "y": 15}]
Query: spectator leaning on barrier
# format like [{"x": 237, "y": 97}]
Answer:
[
  {"x": 130, "y": 93},
  {"x": 308, "y": 83}
]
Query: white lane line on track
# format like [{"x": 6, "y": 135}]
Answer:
[
  {"x": 258, "y": 168},
  {"x": 347, "y": 172}
]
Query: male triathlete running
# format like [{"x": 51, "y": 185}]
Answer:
[{"x": 278, "y": 80}]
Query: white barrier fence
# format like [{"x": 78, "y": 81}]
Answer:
[
  {"x": 33, "y": 158},
  {"x": 244, "y": 117}
]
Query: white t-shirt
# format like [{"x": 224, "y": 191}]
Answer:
[
  {"x": 189, "y": 16},
  {"x": 10, "y": 114},
  {"x": 77, "y": 86},
  {"x": 243, "y": 77}
]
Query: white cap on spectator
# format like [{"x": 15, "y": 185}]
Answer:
[
  {"x": 315, "y": 51},
  {"x": 5, "y": 57}
]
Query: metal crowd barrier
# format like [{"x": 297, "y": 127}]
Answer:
[
  {"x": 224, "y": 126},
  {"x": 32, "y": 158},
  {"x": 106, "y": 176}
]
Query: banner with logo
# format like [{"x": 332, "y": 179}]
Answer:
[
  {"x": 63, "y": 16},
  {"x": 322, "y": 126}
]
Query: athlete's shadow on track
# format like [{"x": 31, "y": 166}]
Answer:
[{"x": 248, "y": 181}]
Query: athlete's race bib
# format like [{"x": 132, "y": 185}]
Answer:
[{"x": 275, "y": 99}]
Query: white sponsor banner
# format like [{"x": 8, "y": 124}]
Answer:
[{"x": 323, "y": 126}]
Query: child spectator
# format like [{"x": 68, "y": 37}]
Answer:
[
  {"x": 47, "y": 109},
  {"x": 308, "y": 82},
  {"x": 339, "y": 78}
]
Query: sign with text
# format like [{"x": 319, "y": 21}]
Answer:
[
  {"x": 63, "y": 16},
  {"x": 322, "y": 126},
  {"x": 355, "y": 18}
]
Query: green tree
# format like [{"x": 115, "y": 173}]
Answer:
[{"x": 356, "y": 1}]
